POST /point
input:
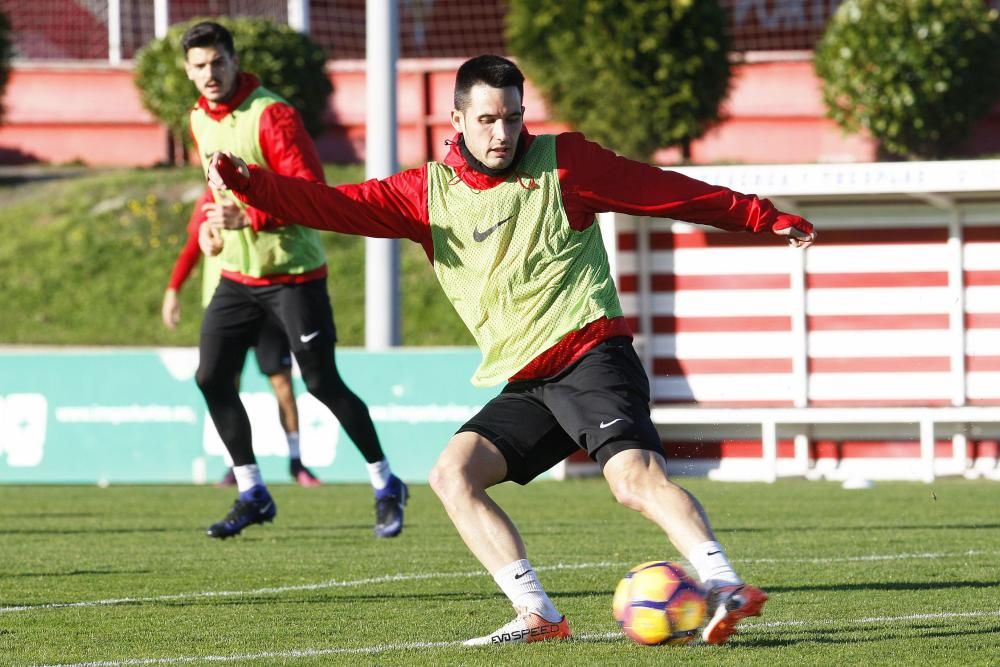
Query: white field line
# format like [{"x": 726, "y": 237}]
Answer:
[
  {"x": 586, "y": 637},
  {"x": 277, "y": 590},
  {"x": 392, "y": 578}
]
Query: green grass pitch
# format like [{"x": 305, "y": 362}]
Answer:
[{"x": 901, "y": 574}]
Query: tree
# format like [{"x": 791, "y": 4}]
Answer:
[
  {"x": 6, "y": 48},
  {"x": 915, "y": 74},
  {"x": 635, "y": 76},
  {"x": 287, "y": 62}
]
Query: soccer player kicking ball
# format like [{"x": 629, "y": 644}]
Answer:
[
  {"x": 270, "y": 270},
  {"x": 508, "y": 222}
]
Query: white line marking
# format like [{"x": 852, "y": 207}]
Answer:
[
  {"x": 277, "y": 590},
  {"x": 392, "y": 578},
  {"x": 585, "y": 637}
]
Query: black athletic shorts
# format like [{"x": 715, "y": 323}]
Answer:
[
  {"x": 271, "y": 349},
  {"x": 237, "y": 314},
  {"x": 599, "y": 404}
]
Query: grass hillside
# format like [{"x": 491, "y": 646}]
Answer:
[{"x": 87, "y": 254}]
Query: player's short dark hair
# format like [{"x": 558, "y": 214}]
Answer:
[
  {"x": 206, "y": 34},
  {"x": 494, "y": 71}
]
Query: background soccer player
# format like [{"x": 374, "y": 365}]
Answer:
[
  {"x": 274, "y": 356},
  {"x": 270, "y": 269},
  {"x": 508, "y": 222}
]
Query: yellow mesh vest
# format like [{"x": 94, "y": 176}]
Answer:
[
  {"x": 518, "y": 275},
  {"x": 290, "y": 249},
  {"x": 211, "y": 273}
]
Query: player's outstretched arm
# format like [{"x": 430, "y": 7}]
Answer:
[
  {"x": 394, "y": 207},
  {"x": 598, "y": 180}
]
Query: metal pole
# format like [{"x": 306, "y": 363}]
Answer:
[
  {"x": 956, "y": 315},
  {"x": 114, "y": 32},
  {"x": 298, "y": 15},
  {"x": 381, "y": 255},
  {"x": 161, "y": 18}
]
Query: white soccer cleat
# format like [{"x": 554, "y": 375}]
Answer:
[{"x": 527, "y": 627}]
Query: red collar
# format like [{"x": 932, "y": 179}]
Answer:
[
  {"x": 475, "y": 179},
  {"x": 246, "y": 83}
]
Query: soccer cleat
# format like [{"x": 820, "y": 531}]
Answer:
[
  {"x": 229, "y": 479},
  {"x": 527, "y": 627},
  {"x": 732, "y": 604},
  {"x": 389, "y": 503},
  {"x": 253, "y": 506},
  {"x": 302, "y": 475}
]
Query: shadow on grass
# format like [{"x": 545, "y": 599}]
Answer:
[
  {"x": 49, "y": 515},
  {"x": 785, "y": 528},
  {"x": 328, "y": 596},
  {"x": 73, "y": 573},
  {"x": 860, "y": 635},
  {"x": 885, "y": 586},
  {"x": 87, "y": 531},
  {"x": 31, "y": 173}
]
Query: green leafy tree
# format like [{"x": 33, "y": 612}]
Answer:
[
  {"x": 635, "y": 76},
  {"x": 915, "y": 74},
  {"x": 287, "y": 62},
  {"x": 6, "y": 48}
]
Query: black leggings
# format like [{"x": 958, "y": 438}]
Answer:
[{"x": 231, "y": 323}]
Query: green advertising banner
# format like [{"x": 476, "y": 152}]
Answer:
[{"x": 119, "y": 415}]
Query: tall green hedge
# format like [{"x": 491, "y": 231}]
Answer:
[
  {"x": 915, "y": 74},
  {"x": 6, "y": 49},
  {"x": 635, "y": 76},
  {"x": 287, "y": 62}
]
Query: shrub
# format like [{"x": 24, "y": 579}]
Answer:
[
  {"x": 287, "y": 62},
  {"x": 635, "y": 76},
  {"x": 916, "y": 74},
  {"x": 5, "y": 55}
]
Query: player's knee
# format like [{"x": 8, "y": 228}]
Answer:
[
  {"x": 444, "y": 478},
  {"x": 626, "y": 493},
  {"x": 315, "y": 385},
  {"x": 437, "y": 478},
  {"x": 450, "y": 477},
  {"x": 629, "y": 485},
  {"x": 323, "y": 383},
  {"x": 212, "y": 382},
  {"x": 635, "y": 477}
]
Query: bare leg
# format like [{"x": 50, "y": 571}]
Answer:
[
  {"x": 288, "y": 411},
  {"x": 638, "y": 480},
  {"x": 468, "y": 466}
]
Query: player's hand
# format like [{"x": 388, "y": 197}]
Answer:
[
  {"x": 171, "y": 310},
  {"x": 800, "y": 232},
  {"x": 225, "y": 215},
  {"x": 796, "y": 237},
  {"x": 228, "y": 172},
  {"x": 210, "y": 239}
]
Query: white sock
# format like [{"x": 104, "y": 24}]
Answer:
[
  {"x": 520, "y": 584},
  {"x": 379, "y": 473},
  {"x": 712, "y": 565},
  {"x": 247, "y": 477},
  {"x": 293, "y": 445}
]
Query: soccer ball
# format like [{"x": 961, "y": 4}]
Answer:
[{"x": 658, "y": 603}]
